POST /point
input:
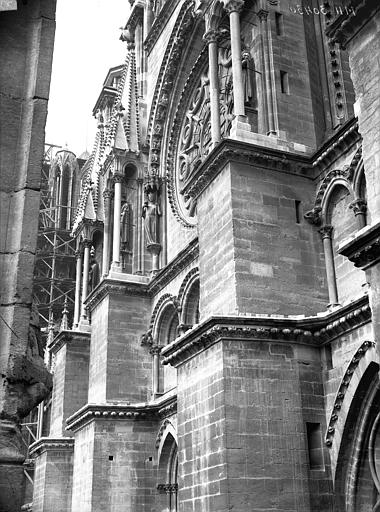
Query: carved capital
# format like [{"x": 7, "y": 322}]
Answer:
[
  {"x": 107, "y": 194},
  {"x": 78, "y": 254},
  {"x": 359, "y": 207},
  {"x": 262, "y": 15},
  {"x": 154, "y": 248},
  {"x": 326, "y": 232},
  {"x": 211, "y": 36},
  {"x": 87, "y": 243},
  {"x": 233, "y": 6},
  {"x": 155, "y": 350},
  {"x": 167, "y": 488},
  {"x": 117, "y": 178}
]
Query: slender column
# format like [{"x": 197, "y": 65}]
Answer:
[
  {"x": 139, "y": 226},
  {"x": 211, "y": 38},
  {"x": 155, "y": 351},
  {"x": 78, "y": 256},
  {"x": 116, "y": 221},
  {"x": 359, "y": 207},
  {"x": 60, "y": 200},
  {"x": 57, "y": 215},
  {"x": 326, "y": 233},
  {"x": 86, "y": 268},
  {"x": 233, "y": 7},
  {"x": 106, "y": 235},
  {"x": 69, "y": 201},
  {"x": 263, "y": 17}
]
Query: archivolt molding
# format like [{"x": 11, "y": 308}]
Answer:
[
  {"x": 166, "y": 427},
  {"x": 336, "y": 176},
  {"x": 161, "y": 305},
  {"x": 193, "y": 78},
  {"x": 189, "y": 279},
  {"x": 164, "y": 84},
  {"x": 342, "y": 391}
]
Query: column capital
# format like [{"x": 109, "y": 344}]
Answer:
[
  {"x": 359, "y": 206},
  {"x": 117, "y": 178},
  {"x": 78, "y": 254},
  {"x": 262, "y": 15},
  {"x": 155, "y": 350},
  {"x": 233, "y": 6},
  {"x": 211, "y": 36},
  {"x": 326, "y": 231},
  {"x": 107, "y": 194},
  {"x": 87, "y": 243}
]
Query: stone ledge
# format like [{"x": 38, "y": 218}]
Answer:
[
  {"x": 66, "y": 336},
  {"x": 363, "y": 249},
  {"x": 313, "y": 331},
  {"x": 135, "y": 285},
  {"x": 160, "y": 408},
  {"x": 45, "y": 444}
]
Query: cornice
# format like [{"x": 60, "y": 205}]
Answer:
[
  {"x": 312, "y": 331},
  {"x": 175, "y": 267},
  {"x": 115, "y": 287},
  {"x": 116, "y": 412},
  {"x": 364, "y": 248},
  {"x": 65, "y": 337},
  {"x": 237, "y": 151},
  {"x": 347, "y": 25},
  {"x": 45, "y": 444}
]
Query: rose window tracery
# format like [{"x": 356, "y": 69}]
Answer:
[{"x": 192, "y": 142}]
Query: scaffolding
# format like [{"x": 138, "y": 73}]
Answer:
[
  {"x": 53, "y": 281},
  {"x": 54, "y": 275}
]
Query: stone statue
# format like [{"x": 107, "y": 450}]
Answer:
[
  {"x": 94, "y": 273},
  {"x": 151, "y": 212},
  {"x": 125, "y": 226}
]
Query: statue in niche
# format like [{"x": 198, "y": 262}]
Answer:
[
  {"x": 94, "y": 273},
  {"x": 125, "y": 226},
  {"x": 151, "y": 213},
  {"x": 248, "y": 79}
]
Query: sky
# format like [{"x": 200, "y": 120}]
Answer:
[{"x": 86, "y": 45}]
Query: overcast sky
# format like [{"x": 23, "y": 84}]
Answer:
[{"x": 86, "y": 45}]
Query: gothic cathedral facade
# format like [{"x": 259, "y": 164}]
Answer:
[{"x": 222, "y": 352}]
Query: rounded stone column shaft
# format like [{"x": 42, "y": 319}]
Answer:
[
  {"x": 155, "y": 351},
  {"x": 106, "y": 233},
  {"x": 211, "y": 38},
  {"x": 86, "y": 268},
  {"x": 326, "y": 233},
  {"x": 116, "y": 222},
  {"x": 78, "y": 276},
  {"x": 233, "y": 7}
]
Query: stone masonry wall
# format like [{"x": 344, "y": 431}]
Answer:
[
  {"x": 254, "y": 255},
  {"x": 53, "y": 481},
  {"x": 70, "y": 386},
  {"x": 119, "y": 471},
  {"x": 242, "y": 439}
]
